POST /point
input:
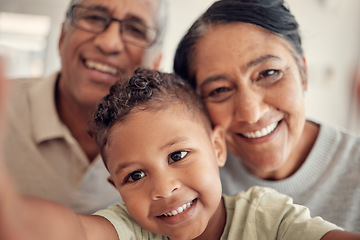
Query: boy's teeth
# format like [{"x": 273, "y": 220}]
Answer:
[
  {"x": 178, "y": 210},
  {"x": 101, "y": 67},
  {"x": 261, "y": 133}
]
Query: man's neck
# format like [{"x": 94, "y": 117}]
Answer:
[{"x": 76, "y": 117}]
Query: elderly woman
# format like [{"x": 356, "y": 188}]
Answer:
[{"x": 245, "y": 60}]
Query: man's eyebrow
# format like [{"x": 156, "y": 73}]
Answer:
[
  {"x": 137, "y": 19},
  {"x": 99, "y": 8}
]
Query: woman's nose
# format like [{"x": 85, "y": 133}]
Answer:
[{"x": 249, "y": 106}]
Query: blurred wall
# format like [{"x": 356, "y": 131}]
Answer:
[{"x": 329, "y": 28}]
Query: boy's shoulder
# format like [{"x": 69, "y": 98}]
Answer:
[
  {"x": 264, "y": 213},
  {"x": 256, "y": 194}
]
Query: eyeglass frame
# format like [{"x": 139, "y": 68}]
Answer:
[{"x": 70, "y": 15}]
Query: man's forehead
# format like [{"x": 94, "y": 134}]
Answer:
[{"x": 144, "y": 9}]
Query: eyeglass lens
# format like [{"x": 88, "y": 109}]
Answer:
[{"x": 97, "y": 21}]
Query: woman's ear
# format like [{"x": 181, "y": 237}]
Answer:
[
  {"x": 304, "y": 72},
  {"x": 219, "y": 145}
]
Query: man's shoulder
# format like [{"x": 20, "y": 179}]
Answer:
[{"x": 25, "y": 83}]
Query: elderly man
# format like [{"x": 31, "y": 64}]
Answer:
[{"x": 47, "y": 148}]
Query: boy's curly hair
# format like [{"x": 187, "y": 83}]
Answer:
[{"x": 145, "y": 90}]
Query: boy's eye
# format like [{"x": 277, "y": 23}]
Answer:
[
  {"x": 135, "y": 176},
  {"x": 177, "y": 156}
]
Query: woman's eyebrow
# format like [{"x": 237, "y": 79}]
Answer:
[
  {"x": 252, "y": 63},
  {"x": 212, "y": 79},
  {"x": 260, "y": 60}
]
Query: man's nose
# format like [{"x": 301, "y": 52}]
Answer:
[{"x": 110, "y": 42}]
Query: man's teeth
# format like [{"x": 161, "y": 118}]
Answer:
[
  {"x": 178, "y": 210},
  {"x": 101, "y": 67},
  {"x": 261, "y": 133}
]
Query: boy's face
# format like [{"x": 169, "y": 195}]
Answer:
[{"x": 166, "y": 167}]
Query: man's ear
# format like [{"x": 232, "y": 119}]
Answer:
[
  {"x": 62, "y": 36},
  {"x": 157, "y": 61},
  {"x": 219, "y": 144}
]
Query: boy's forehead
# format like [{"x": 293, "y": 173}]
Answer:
[
  {"x": 144, "y": 115},
  {"x": 150, "y": 131}
]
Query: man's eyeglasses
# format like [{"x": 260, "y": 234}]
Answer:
[{"x": 97, "y": 21}]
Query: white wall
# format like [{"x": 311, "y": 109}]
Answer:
[{"x": 329, "y": 28}]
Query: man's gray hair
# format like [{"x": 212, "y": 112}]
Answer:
[{"x": 161, "y": 21}]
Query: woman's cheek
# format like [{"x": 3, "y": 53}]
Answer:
[{"x": 219, "y": 114}]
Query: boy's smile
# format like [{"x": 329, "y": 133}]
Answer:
[{"x": 165, "y": 164}]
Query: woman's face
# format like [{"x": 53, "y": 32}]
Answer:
[{"x": 252, "y": 85}]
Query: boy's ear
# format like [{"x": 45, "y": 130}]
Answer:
[
  {"x": 111, "y": 181},
  {"x": 218, "y": 140}
]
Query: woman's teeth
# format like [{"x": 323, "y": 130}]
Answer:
[
  {"x": 101, "y": 67},
  {"x": 178, "y": 210},
  {"x": 261, "y": 133}
]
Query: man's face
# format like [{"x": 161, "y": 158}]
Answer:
[
  {"x": 165, "y": 166},
  {"x": 91, "y": 62}
]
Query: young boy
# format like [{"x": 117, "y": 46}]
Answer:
[{"x": 163, "y": 157}]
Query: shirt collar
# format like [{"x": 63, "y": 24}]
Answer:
[{"x": 46, "y": 122}]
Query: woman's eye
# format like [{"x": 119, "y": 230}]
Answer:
[
  {"x": 219, "y": 94},
  {"x": 218, "y": 91},
  {"x": 135, "y": 176},
  {"x": 177, "y": 156},
  {"x": 268, "y": 73}
]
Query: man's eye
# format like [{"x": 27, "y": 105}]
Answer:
[
  {"x": 177, "y": 156},
  {"x": 135, "y": 176},
  {"x": 135, "y": 30},
  {"x": 95, "y": 18}
]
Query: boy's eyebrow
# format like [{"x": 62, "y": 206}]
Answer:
[
  {"x": 175, "y": 141},
  {"x": 169, "y": 144},
  {"x": 121, "y": 166}
]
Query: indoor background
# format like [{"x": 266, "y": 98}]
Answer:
[{"x": 330, "y": 31}]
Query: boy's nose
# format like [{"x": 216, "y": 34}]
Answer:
[
  {"x": 110, "y": 42},
  {"x": 164, "y": 188}
]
